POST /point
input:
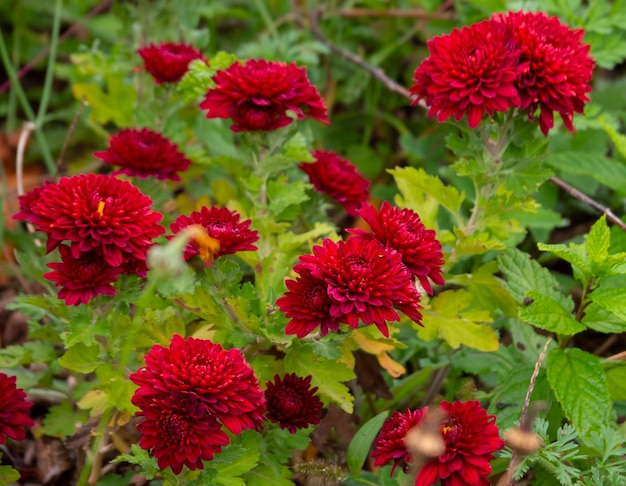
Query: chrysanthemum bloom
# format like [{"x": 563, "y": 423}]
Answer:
[
  {"x": 556, "y": 66},
  {"x": 307, "y": 304},
  {"x": 94, "y": 212},
  {"x": 257, "y": 95},
  {"x": 82, "y": 278},
  {"x": 339, "y": 178},
  {"x": 144, "y": 153},
  {"x": 180, "y": 431},
  {"x": 169, "y": 61},
  {"x": 366, "y": 281},
  {"x": 471, "y": 438},
  {"x": 403, "y": 230},
  {"x": 471, "y": 71},
  {"x": 292, "y": 403},
  {"x": 221, "y": 224},
  {"x": 222, "y": 381},
  {"x": 14, "y": 410},
  {"x": 389, "y": 443}
]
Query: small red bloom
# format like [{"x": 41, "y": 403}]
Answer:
[
  {"x": 307, "y": 304},
  {"x": 14, "y": 410},
  {"x": 221, "y": 380},
  {"x": 556, "y": 66},
  {"x": 339, "y": 178},
  {"x": 403, "y": 230},
  {"x": 221, "y": 224},
  {"x": 257, "y": 95},
  {"x": 365, "y": 281},
  {"x": 94, "y": 212},
  {"x": 144, "y": 153},
  {"x": 389, "y": 443},
  {"x": 169, "y": 61},
  {"x": 292, "y": 403},
  {"x": 180, "y": 431},
  {"x": 471, "y": 71},
  {"x": 82, "y": 278}
]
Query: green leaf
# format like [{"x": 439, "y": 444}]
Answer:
[
  {"x": 263, "y": 475},
  {"x": 528, "y": 175},
  {"x": 139, "y": 456},
  {"x": 601, "y": 320},
  {"x": 8, "y": 475},
  {"x": 116, "y": 105},
  {"x": 452, "y": 318},
  {"x": 612, "y": 299},
  {"x": 328, "y": 375},
  {"x": 285, "y": 198},
  {"x": 605, "y": 170},
  {"x": 580, "y": 386},
  {"x": 61, "y": 420},
  {"x": 295, "y": 149},
  {"x": 546, "y": 313},
  {"x": 81, "y": 358},
  {"x": 598, "y": 242},
  {"x": 617, "y": 138},
  {"x": 360, "y": 445},
  {"x": 573, "y": 254},
  {"x": 616, "y": 379}
]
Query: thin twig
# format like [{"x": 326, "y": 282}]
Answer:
[
  {"x": 618, "y": 357},
  {"x": 27, "y": 130},
  {"x": 105, "y": 5},
  {"x": 70, "y": 132},
  {"x": 438, "y": 377}
]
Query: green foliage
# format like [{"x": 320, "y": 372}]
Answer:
[{"x": 362, "y": 441}]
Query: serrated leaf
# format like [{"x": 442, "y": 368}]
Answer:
[
  {"x": 612, "y": 299},
  {"x": 605, "y": 170},
  {"x": 229, "y": 471},
  {"x": 601, "y": 320},
  {"x": 617, "y": 138},
  {"x": 580, "y": 386},
  {"x": 548, "y": 314},
  {"x": 117, "y": 104},
  {"x": 295, "y": 149},
  {"x": 141, "y": 457},
  {"x": 360, "y": 444},
  {"x": 263, "y": 475},
  {"x": 616, "y": 379},
  {"x": 452, "y": 318},
  {"x": 328, "y": 375},
  {"x": 61, "y": 420},
  {"x": 81, "y": 358},
  {"x": 528, "y": 175},
  {"x": 284, "y": 195},
  {"x": 598, "y": 242},
  {"x": 573, "y": 254}
]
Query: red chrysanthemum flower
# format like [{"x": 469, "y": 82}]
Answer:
[
  {"x": 144, "y": 153},
  {"x": 14, "y": 410},
  {"x": 169, "y": 61},
  {"x": 556, "y": 66},
  {"x": 471, "y": 438},
  {"x": 221, "y": 224},
  {"x": 389, "y": 443},
  {"x": 82, "y": 278},
  {"x": 257, "y": 95},
  {"x": 94, "y": 212},
  {"x": 223, "y": 381},
  {"x": 365, "y": 281},
  {"x": 471, "y": 71},
  {"x": 339, "y": 178},
  {"x": 180, "y": 430},
  {"x": 307, "y": 304},
  {"x": 292, "y": 403},
  {"x": 403, "y": 230}
]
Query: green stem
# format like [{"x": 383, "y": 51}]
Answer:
[
  {"x": 93, "y": 457},
  {"x": 12, "y": 104},
  {"x": 54, "y": 42}
]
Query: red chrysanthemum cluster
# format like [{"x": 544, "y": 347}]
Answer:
[
  {"x": 14, "y": 410},
  {"x": 187, "y": 392},
  {"x": 338, "y": 177},
  {"x": 513, "y": 60},
  {"x": 292, "y": 403},
  {"x": 470, "y": 436},
  {"x": 108, "y": 223},
  {"x": 144, "y": 153},
  {"x": 168, "y": 62},
  {"x": 258, "y": 94},
  {"x": 403, "y": 230},
  {"x": 223, "y": 225}
]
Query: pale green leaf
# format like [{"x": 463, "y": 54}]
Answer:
[
  {"x": 598, "y": 242},
  {"x": 8, "y": 475},
  {"x": 573, "y": 254},
  {"x": 296, "y": 150},
  {"x": 613, "y": 299},
  {"x": 283, "y": 194},
  {"x": 616, "y": 379},
  {"x": 546, "y": 313},
  {"x": 618, "y": 139},
  {"x": 603, "y": 169},
  {"x": 601, "y": 320},
  {"x": 361, "y": 442},
  {"x": 580, "y": 386},
  {"x": 81, "y": 358}
]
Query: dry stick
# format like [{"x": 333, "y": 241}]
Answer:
[
  {"x": 105, "y": 5},
  {"x": 402, "y": 91},
  {"x": 27, "y": 130},
  {"x": 618, "y": 357},
  {"x": 70, "y": 132}
]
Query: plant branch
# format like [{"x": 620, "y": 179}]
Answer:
[
  {"x": 54, "y": 43},
  {"x": 70, "y": 132}
]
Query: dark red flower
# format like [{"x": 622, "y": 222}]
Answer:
[
  {"x": 94, "y": 212},
  {"x": 221, "y": 380},
  {"x": 257, "y": 95},
  {"x": 471, "y": 71},
  {"x": 292, "y": 403},
  {"x": 169, "y": 61},
  {"x": 82, "y": 278},
  {"x": 389, "y": 443},
  {"x": 339, "y": 178},
  {"x": 471, "y": 438},
  {"x": 366, "y": 281},
  {"x": 180, "y": 431},
  {"x": 556, "y": 66},
  {"x": 221, "y": 224},
  {"x": 14, "y": 410},
  {"x": 403, "y": 230},
  {"x": 144, "y": 153},
  {"x": 307, "y": 304}
]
